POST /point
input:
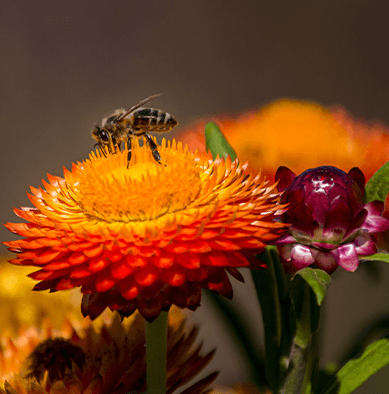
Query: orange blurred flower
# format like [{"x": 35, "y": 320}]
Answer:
[
  {"x": 21, "y": 307},
  {"x": 84, "y": 357},
  {"x": 142, "y": 235},
  {"x": 299, "y": 135}
]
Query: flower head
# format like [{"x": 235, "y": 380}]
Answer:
[
  {"x": 142, "y": 235},
  {"x": 84, "y": 357},
  {"x": 330, "y": 223},
  {"x": 299, "y": 135}
]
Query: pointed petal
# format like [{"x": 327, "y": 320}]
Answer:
[
  {"x": 303, "y": 256},
  {"x": 285, "y": 177},
  {"x": 368, "y": 247},
  {"x": 358, "y": 177},
  {"x": 347, "y": 257}
]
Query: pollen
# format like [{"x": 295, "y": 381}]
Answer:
[{"x": 114, "y": 190}]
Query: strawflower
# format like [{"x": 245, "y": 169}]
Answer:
[
  {"x": 331, "y": 225},
  {"x": 86, "y": 357},
  {"x": 299, "y": 135},
  {"x": 21, "y": 307},
  {"x": 141, "y": 235}
]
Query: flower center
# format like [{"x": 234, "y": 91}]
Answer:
[
  {"x": 113, "y": 189},
  {"x": 55, "y": 356}
]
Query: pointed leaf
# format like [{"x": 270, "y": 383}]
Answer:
[
  {"x": 318, "y": 280},
  {"x": 357, "y": 371},
  {"x": 217, "y": 143},
  {"x": 271, "y": 287},
  {"x": 378, "y": 186},
  {"x": 384, "y": 257}
]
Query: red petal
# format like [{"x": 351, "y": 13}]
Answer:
[
  {"x": 65, "y": 284},
  {"x": 93, "y": 305},
  {"x": 174, "y": 276},
  {"x": 164, "y": 261},
  {"x": 235, "y": 273},
  {"x": 285, "y": 177},
  {"x": 218, "y": 281},
  {"x": 150, "y": 309},
  {"x": 136, "y": 261},
  {"x": 128, "y": 288},
  {"x": 189, "y": 260},
  {"x": 359, "y": 178},
  {"x": 58, "y": 265},
  {"x": 97, "y": 264},
  {"x": 224, "y": 244},
  {"x": 114, "y": 256},
  {"x": 94, "y": 251},
  {"x": 46, "y": 285},
  {"x": 77, "y": 258},
  {"x": 147, "y": 275},
  {"x": 104, "y": 282},
  {"x": 79, "y": 273},
  {"x": 121, "y": 270},
  {"x": 40, "y": 275}
]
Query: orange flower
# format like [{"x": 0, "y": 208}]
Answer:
[
  {"x": 299, "y": 135},
  {"x": 22, "y": 307},
  {"x": 99, "y": 359},
  {"x": 142, "y": 235}
]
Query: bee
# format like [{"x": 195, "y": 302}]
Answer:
[{"x": 123, "y": 125}]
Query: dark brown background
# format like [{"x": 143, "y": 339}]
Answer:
[{"x": 65, "y": 64}]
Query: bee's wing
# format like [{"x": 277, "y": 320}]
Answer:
[{"x": 136, "y": 106}]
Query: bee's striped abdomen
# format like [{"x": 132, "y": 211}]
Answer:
[{"x": 152, "y": 120}]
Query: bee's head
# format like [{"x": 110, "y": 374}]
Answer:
[{"x": 104, "y": 138}]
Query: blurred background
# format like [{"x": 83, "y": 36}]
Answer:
[{"x": 66, "y": 64}]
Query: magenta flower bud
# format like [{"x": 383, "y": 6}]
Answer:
[{"x": 330, "y": 223}]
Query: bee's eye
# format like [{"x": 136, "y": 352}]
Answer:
[{"x": 103, "y": 135}]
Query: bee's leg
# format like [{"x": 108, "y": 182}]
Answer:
[
  {"x": 129, "y": 150},
  {"x": 153, "y": 148},
  {"x": 101, "y": 148}
]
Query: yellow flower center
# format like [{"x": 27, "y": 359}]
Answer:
[{"x": 113, "y": 189}]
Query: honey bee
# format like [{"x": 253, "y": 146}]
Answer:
[{"x": 123, "y": 125}]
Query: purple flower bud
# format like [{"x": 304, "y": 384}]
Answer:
[{"x": 330, "y": 223}]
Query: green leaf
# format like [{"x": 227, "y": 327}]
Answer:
[
  {"x": 318, "y": 280},
  {"x": 384, "y": 257},
  {"x": 270, "y": 285},
  {"x": 378, "y": 186},
  {"x": 357, "y": 371},
  {"x": 217, "y": 143}
]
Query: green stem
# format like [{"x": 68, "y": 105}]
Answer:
[
  {"x": 300, "y": 358},
  {"x": 156, "y": 333}
]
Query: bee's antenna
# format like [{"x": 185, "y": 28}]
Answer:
[{"x": 136, "y": 106}]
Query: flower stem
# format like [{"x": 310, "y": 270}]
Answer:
[
  {"x": 300, "y": 359},
  {"x": 156, "y": 333}
]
